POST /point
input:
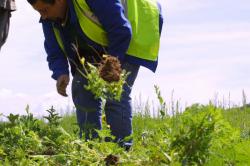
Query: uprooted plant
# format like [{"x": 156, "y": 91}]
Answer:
[{"x": 105, "y": 80}]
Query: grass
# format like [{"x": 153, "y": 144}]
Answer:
[
  {"x": 155, "y": 130},
  {"x": 239, "y": 118},
  {"x": 201, "y": 135}
]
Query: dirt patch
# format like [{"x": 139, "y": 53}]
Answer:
[
  {"x": 110, "y": 69},
  {"x": 112, "y": 160}
]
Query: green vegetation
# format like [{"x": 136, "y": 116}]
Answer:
[
  {"x": 106, "y": 80},
  {"x": 103, "y": 89},
  {"x": 201, "y": 135}
]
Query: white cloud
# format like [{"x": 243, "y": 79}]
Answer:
[
  {"x": 179, "y": 6},
  {"x": 210, "y": 33},
  {"x": 192, "y": 85},
  {"x": 198, "y": 37},
  {"x": 16, "y": 103}
]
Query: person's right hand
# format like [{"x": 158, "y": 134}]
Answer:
[{"x": 61, "y": 84}]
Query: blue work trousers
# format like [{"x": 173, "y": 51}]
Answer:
[{"x": 118, "y": 114}]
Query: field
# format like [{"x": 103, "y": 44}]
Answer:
[{"x": 201, "y": 135}]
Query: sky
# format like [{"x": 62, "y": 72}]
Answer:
[{"x": 204, "y": 55}]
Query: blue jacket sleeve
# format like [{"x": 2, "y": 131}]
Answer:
[
  {"x": 110, "y": 14},
  {"x": 57, "y": 61}
]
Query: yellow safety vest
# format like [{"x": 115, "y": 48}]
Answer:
[{"x": 143, "y": 16}]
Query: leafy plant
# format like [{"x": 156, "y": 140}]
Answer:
[
  {"x": 163, "y": 106},
  {"x": 103, "y": 89},
  {"x": 53, "y": 118},
  {"x": 201, "y": 135},
  {"x": 96, "y": 84}
]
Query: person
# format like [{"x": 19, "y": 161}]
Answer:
[
  {"x": 100, "y": 27},
  {"x": 6, "y": 7}
]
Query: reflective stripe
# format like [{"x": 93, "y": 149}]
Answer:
[
  {"x": 59, "y": 39},
  {"x": 89, "y": 23}
]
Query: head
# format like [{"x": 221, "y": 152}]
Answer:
[{"x": 50, "y": 9}]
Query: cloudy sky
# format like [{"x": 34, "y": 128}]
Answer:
[{"x": 204, "y": 55}]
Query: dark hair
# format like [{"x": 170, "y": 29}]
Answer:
[{"x": 32, "y": 2}]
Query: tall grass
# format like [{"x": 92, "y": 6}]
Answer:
[{"x": 200, "y": 135}]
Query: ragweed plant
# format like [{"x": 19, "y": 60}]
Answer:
[{"x": 101, "y": 88}]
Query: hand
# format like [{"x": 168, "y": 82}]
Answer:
[{"x": 61, "y": 84}]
